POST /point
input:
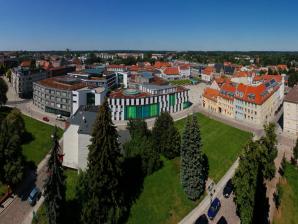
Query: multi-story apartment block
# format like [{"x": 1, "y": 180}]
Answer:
[
  {"x": 291, "y": 112},
  {"x": 254, "y": 103},
  {"x": 64, "y": 95},
  {"x": 23, "y": 78}
]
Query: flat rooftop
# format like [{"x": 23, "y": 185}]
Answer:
[{"x": 64, "y": 83}]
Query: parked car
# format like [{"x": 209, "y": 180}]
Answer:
[
  {"x": 46, "y": 119},
  {"x": 202, "y": 220},
  {"x": 60, "y": 118},
  {"x": 34, "y": 196},
  {"x": 222, "y": 220},
  {"x": 228, "y": 189},
  {"x": 214, "y": 208}
]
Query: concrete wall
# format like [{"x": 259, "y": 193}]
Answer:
[
  {"x": 84, "y": 141},
  {"x": 290, "y": 118}
]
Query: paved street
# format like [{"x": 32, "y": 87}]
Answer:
[{"x": 20, "y": 209}]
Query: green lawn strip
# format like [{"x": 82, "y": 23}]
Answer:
[
  {"x": 288, "y": 210},
  {"x": 163, "y": 199},
  {"x": 221, "y": 143},
  {"x": 181, "y": 82}
]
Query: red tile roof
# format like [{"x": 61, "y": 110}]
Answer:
[
  {"x": 26, "y": 63},
  {"x": 116, "y": 66},
  {"x": 277, "y": 78},
  {"x": 208, "y": 70},
  {"x": 211, "y": 94},
  {"x": 228, "y": 87},
  {"x": 184, "y": 66},
  {"x": 171, "y": 71},
  {"x": 160, "y": 64}
]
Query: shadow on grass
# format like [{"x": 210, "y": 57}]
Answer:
[
  {"x": 261, "y": 209},
  {"x": 27, "y": 137},
  {"x": 72, "y": 212},
  {"x": 131, "y": 184}
]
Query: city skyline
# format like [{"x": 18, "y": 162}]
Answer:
[{"x": 166, "y": 25}]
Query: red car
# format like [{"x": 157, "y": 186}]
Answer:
[{"x": 46, "y": 119}]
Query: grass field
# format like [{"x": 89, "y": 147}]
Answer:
[
  {"x": 288, "y": 210},
  {"x": 163, "y": 200},
  {"x": 38, "y": 142},
  {"x": 36, "y": 149}
]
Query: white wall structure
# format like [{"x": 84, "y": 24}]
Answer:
[
  {"x": 76, "y": 137},
  {"x": 80, "y": 97},
  {"x": 291, "y": 112}
]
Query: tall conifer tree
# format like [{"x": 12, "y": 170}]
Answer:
[
  {"x": 194, "y": 165},
  {"x": 54, "y": 187},
  {"x": 103, "y": 197}
]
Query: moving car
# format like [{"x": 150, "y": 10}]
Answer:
[
  {"x": 222, "y": 220},
  {"x": 202, "y": 220},
  {"x": 46, "y": 119},
  {"x": 214, "y": 208},
  {"x": 34, "y": 196},
  {"x": 228, "y": 189}
]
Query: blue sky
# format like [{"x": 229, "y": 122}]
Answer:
[{"x": 149, "y": 25}]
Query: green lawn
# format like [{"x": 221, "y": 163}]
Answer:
[
  {"x": 288, "y": 211},
  {"x": 163, "y": 200},
  {"x": 37, "y": 149},
  {"x": 38, "y": 144}
]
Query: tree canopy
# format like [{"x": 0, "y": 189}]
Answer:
[
  {"x": 3, "y": 92},
  {"x": 103, "y": 196}
]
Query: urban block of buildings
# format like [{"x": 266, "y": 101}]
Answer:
[{"x": 252, "y": 99}]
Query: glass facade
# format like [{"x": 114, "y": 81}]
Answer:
[
  {"x": 172, "y": 99},
  {"x": 186, "y": 105},
  {"x": 142, "y": 111},
  {"x": 90, "y": 99},
  {"x": 57, "y": 111}
]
